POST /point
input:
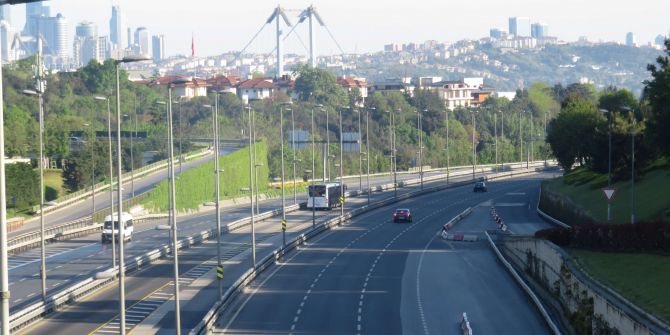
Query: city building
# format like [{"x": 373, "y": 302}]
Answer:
[
  {"x": 117, "y": 29},
  {"x": 256, "y": 89},
  {"x": 223, "y": 84},
  {"x": 86, "y": 29},
  {"x": 539, "y": 30},
  {"x": 631, "y": 41},
  {"x": 193, "y": 87},
  {"x": 34, "y": 11},
  {"x": 158, "y": 47},
  {"x": 143, "y": 41},
  {"x": 497, "y": 33},
  {"x": 519, "y": 26},
  {"x": 659, "y": 40},
  {"x": 468, "y": 92},
  {"x": 7, "y": 36},
  {"x": 55, "y": 32},
  {"x": 5, "y": 14},
  {"x": 350, "y": 83}
]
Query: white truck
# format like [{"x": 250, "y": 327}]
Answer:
[{"x": 111, "y": 221}]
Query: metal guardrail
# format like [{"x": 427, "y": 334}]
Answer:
[{"x": 465, "y": 325}]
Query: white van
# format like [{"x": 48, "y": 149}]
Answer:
[{"x": 126, "y": 220}]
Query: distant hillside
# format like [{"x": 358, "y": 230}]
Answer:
[{"x": 505, "y": 69}]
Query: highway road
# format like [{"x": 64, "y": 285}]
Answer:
[
  {"x": 83, "y": 209},
  {"x": 88, "y": 256},
  {"x": 372, "y": 276}
]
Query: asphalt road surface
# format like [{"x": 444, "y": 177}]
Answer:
[{"x": 373, "y": 276}]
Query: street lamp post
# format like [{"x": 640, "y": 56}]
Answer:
[
  {"x": 295, "y": 190},
  {"x": 474, "y": 147},
  {"x": 367, "y": 151},
  {"x": 119, "y": 196},
  {"x": 217, "y": 192},
  {"x": 520, "y": 140},
  {"x": 495, "y": 134},
  {"x": 283, "y": 185},
  {"x": 419, "y": 128},
  {"x": 313, "y": 135},
  {"x": 111, "y": 175},
  {"x": 360, "y": 153},
  {"x": 91, "y": 139},
  {"x": 342, "y": 166},
  {"x": 502, "y": 134},
  {"x": 38, "y": 93},
  {"x": 4, "y": 269},
  {"x": 446, "y": 121},
  {"x": 609, "y": 160},
  {"x": 251, "y": 192},
  {"x": 327, "y": 147},
  {"x": 132, "y": 158},
  {"x": 252, "y": 132},
  {"x": 632, "y": 171},
  {"x": 395, "y": 157}
]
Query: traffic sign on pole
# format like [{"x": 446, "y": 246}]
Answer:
[
  {"x": 283, "y": 224},
  {"x": 341, "y": 200},
  {"x": 609, "y": 193},
  {"x": 219, "y": 272}
]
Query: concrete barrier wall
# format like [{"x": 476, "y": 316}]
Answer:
[{"x": 577, "y": 292}]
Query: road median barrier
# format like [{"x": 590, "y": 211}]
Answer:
[{"x": 465, "y": 325}]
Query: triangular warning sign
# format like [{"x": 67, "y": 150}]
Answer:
[{"x": 609, "y": 193}]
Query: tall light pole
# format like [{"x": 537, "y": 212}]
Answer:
[
  {"x": 495, "y": 132},
  {"x": 360, "y": 152},
  {"x": 474, "y": 147},
  {"x": 327, "y": 147},
  {"x": 446, "y": 121},
  {"x": 4, "y": 269},
  {"x": 217, "y": 192},
  {"x": 395, "y": 157},
  {"x": 295, "y": 190},
  {"x": 502, "y": 134},
  {"x": 256, "y": 164},
  {"x": 91, "y": 139},
  {"x": 609, "y": 160},
  {"x": 251, "y": 192},
  {"x": 169, "y": 176},
  {"x": 367, "y": 150},
  {"x": 111, "y": 175},
  {"x": 520, "y": 139},
  {"x": 132, "y": 158},
  {"x": 419, "y": 128},
  {"x": 40, "y": 100},
  {"x": 173, "y": 199},
  {"x": 119, "y": 195},
  {"x": 283, "y": 185},
  {"x": 342, "y": 166},
  {"x": 313, "y": 135},
  {"x": 633, "y": 122}
]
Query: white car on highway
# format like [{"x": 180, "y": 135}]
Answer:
[{"x": 126, "y": 220}]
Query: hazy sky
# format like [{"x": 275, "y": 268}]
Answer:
[{"x": 363, "y": 25}]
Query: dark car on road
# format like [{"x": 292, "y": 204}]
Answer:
[
  {"x": 402, "y": 215},
  {"x": 480, "y": 186}
]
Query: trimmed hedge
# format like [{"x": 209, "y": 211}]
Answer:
[{"x": 639, "y": 237}]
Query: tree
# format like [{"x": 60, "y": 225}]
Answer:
[
  {"x": 657, "y": 95},
  {"x": 572, "y": 135},
  {"x": 22, "y": 185},
  {"x": 20, "y": 132},
  {"x": 319, "y": 86}
]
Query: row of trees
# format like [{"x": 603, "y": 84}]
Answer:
[{"x": 580, "y": 134}]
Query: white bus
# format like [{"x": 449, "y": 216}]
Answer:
[
  {"x": 126, "y": 220},
  {"x": 324, "y": 196}
]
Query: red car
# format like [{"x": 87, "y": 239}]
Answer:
[{"x": 401, "y": 215}]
